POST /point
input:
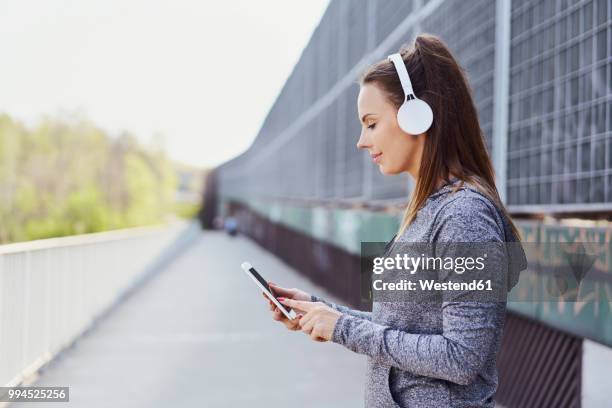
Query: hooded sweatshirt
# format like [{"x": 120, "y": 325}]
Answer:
[{"x": 435, "y": 354}]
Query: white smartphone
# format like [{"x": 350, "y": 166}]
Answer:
[{"x": 263, "y": 285}]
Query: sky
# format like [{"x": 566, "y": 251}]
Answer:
[{"x": 202, "y": 74}]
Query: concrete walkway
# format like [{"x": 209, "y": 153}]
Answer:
[{"x": 200, "y": 334}]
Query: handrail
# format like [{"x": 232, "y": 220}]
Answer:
[{"x": 53, "y": 290}]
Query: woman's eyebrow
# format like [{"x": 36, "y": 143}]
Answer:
[{"x": 363, "y": 118}]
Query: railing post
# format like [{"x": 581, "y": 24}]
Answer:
[{"x": 501, "y": 85}]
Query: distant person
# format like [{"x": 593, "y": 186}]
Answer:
[
  {"x": 438, "y": 354},
  {"x": 230, "y": 225}
]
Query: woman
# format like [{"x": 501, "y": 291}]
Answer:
[{"x": 424, "y": 354}]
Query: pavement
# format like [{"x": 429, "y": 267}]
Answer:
[{"x": 200, "y": 334}]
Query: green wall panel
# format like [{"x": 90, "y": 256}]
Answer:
[{"x": 347, "y": 228}]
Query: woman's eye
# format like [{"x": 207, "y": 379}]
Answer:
[{"x": 372, "y": 126}]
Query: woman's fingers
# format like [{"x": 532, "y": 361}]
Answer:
[
  {"x": 315, "y": 336},
  {"x": 303, "y": 320},
  {"x": 307, "y": 323},
  {"x": 293, "y": 324},
  {"x": 280, "y": 291},
  {"x": 302, "y": 305},
  {"x": 278, "y": 315},
  {"x": 306, "y": 317},
  {"x": 309, "y": 329},
  {"x": 290, "y": 324}
]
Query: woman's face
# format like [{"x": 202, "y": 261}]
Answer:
[{"x": 381, "y": 135}]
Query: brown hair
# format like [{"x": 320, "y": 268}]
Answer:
[{"x": 455, "y": 143}]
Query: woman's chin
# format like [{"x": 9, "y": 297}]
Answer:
[{"x": 386, "y": 171}]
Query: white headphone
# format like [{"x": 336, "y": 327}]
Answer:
[{"x": 414, "y": 116}]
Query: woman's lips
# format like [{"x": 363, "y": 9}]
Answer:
[{"x": 376, "y": 157}]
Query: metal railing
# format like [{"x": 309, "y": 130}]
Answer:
[{"x": 52, "y": 290}]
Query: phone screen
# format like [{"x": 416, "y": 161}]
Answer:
[{"x": 265, "y": 285}]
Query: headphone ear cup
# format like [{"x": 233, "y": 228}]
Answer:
[{"x": 415, "y": 116}]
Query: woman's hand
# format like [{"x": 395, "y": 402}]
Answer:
[
  {"x": 318, "y": 321},
  {"x": 287, "y": 293}
]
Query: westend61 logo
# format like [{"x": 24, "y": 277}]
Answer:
[{"x": 413, "y": 264}]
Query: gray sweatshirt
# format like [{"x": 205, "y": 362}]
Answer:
[{"x": 434, "y": 354}]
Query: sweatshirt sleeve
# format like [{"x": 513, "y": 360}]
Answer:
[
  {"x": 470, "y": 329},
  {"x": 343, "y": 309}
]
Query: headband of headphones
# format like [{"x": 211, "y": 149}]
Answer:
[{"x": 415, "y": 115}]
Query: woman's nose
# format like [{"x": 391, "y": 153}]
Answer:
[{"x": 361, "y": 143}]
